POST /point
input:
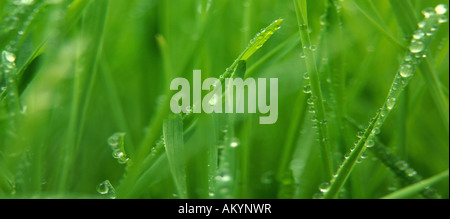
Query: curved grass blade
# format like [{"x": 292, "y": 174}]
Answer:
[
  {"x": 412, "y": 60},
  {"x": 418, "y": 187}
]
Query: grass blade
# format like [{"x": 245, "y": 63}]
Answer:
[
  {"x": 418, "y": 187},
  {"x": 407, "y": 69},
  {"x": 369, "y": 11},
  {"x": 314, "y": 88},
  {"x": 173, "y": 137},
  {"x": 408, "y": 22}
]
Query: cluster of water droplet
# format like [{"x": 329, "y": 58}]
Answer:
[
  {"x": 416, "y": 53},
  {"x": 21, "y": 14},
  {"x": 105, "y": 188},
  {"x": 258, "y": 41},
  {"x": 9, "y": 86},
  {"x": 414, "y": 56},
  {"x": 116, "y": 142}
]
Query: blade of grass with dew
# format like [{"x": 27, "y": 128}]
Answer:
[
  {"x": 289, "y": 44},
  {"x": 72, "y": 16},
  {"x": 226, "y": 185},
  {"x": 173, "y": 138},
  {"x": 407, "y": 69},
  {"x": 399, "y": 167},
  {"x": 418, "y": 187},
  {"x": 314, "y": 88},
  {"x": 144, "y": 160},
  {"x": 408, "y": 22}
]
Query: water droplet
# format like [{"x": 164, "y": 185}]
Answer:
[
  {"x": 411, "y": 172},
  {"x": 318, "y": 196},
  {"x": 419, "y": 34},
  {"x": 115, "y": 139},
  {"x": 401, "y": 165},
  {"x": 311, "y": 109},
  {"x": 370, "y": 143},
  {"x": 211, "y": 194},
  {"x": 234, "y": 143},
  {"x": 8, "y": 56},
  {"x": 360, "y": 134},
  {"x": 442, "y": 19},
  {"x": 406, "y": 71},
  {"x": 23, "y": 2},
  {"x": 105, "y": 188},
  {"x": 306, "y": 76},
  {"x": 364, "y": 155},
  {"x": 302, "y": 55},
  {"x": 307, "y": 89},
  {"x": 324, "y": 187},
  {"x": 226, "y": 178},
  {"x": 408, "y": 58},
  {"x": 323, "y": 20},
  {"x": 441, "y": 9},
  {"x": 303, "y": 26},
  {"x": 416, "y": 46},
  {"x": 391, "y": 103},
  {"x": 428, "y": 12},
  {"x": 117, "y": 154}
]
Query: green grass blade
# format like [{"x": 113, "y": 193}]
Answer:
[
  {"x": 315, "y": 87},
  {"x": 173, "y": 137},
  {"x": 335, "y": 55},
  {"x": 369, "y": 11},
  {"x": 260, "y": 39},
  {"x": 408, "y": 22},
  {"x": 418, "y": 187},
  {"x": 406, "y": 71},
  {"x": 332, "y": 190},
  {"x": 399, "y": 167}
]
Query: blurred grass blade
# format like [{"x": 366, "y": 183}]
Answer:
[
  {"x": 335, "y": 54},
  {"x": 173, "y": 137},
  {"x": 369, "y": 11},
  {"x": 418, "y": 187}
]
